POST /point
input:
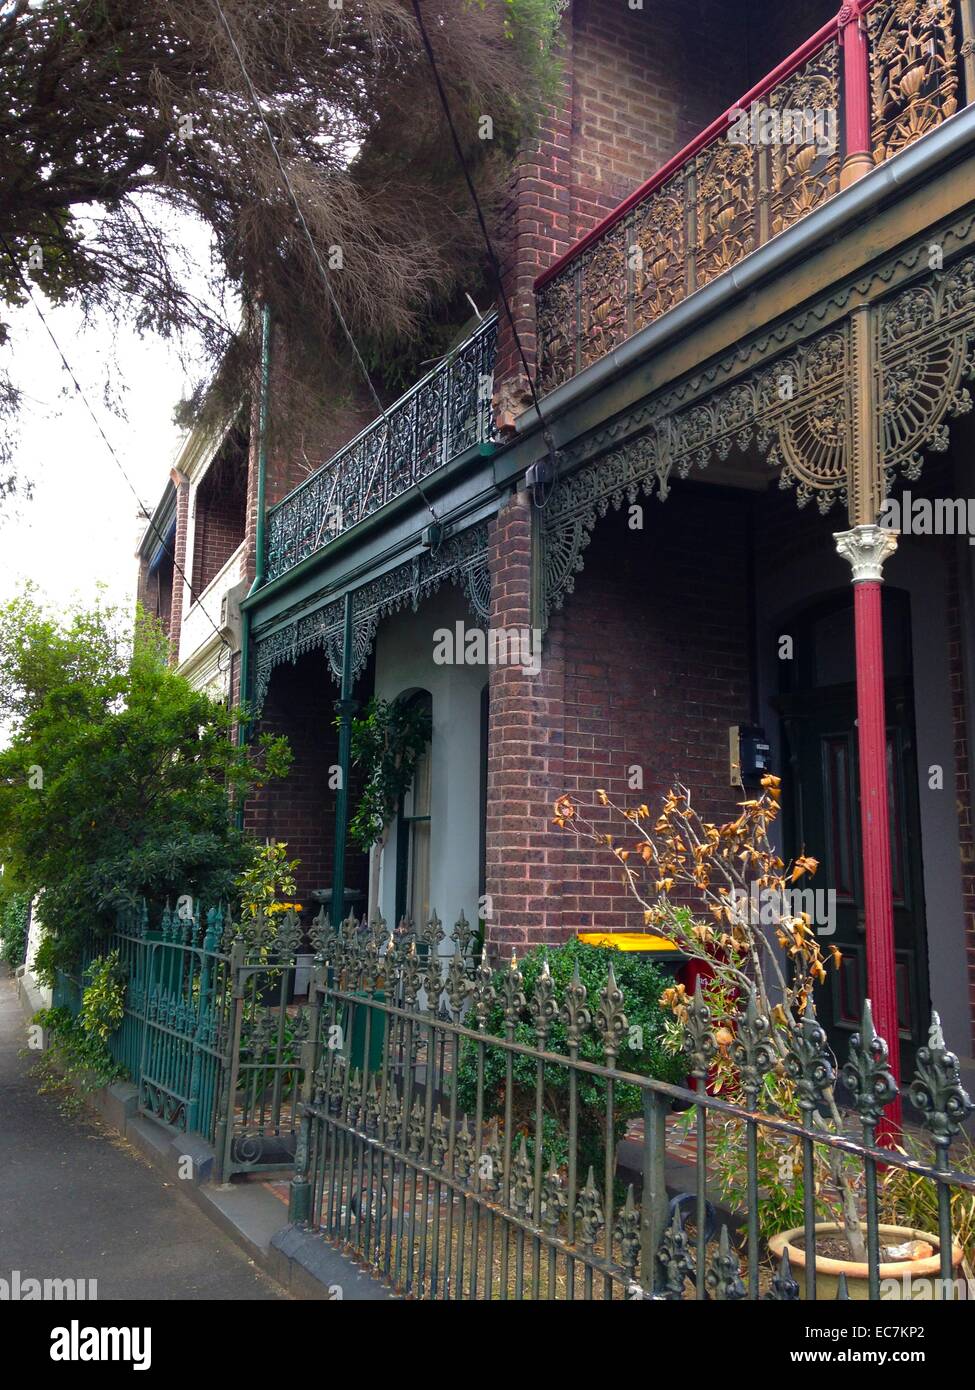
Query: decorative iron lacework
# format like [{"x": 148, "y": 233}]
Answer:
[
  {"x": 446, "y": 413},
  {"x": 914, "y": 70},
  {"x": 729, "y": 198},
  {"x": 799, "y": 412},
  {"x": 462, "y": 560}
]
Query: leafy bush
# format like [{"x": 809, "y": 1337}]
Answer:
[
  {"x": 77, "y": 1056},
  {"x": 118, "y": 779},
  {"x": 103, "y": 1001},
  {"x": 53, "y": 955},
  {"x": 643, "y": 1052},
  {"x": 388, "y": 739},
  {"x": 14, "y": 917}
]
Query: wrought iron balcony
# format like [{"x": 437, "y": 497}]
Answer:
[
  {"x": 442, "y": 416},
  {"x": 875, "y": 79}
]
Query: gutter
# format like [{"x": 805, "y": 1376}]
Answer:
[{"x": 860, "y": 200}]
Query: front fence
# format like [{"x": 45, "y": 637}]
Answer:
[
  {"x": 213, "y": 1027},
  {"x": 468, "y": 1164},
  {"x": 463, "y": 1135}
]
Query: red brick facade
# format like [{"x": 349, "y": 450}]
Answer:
[
  {"x": 645, "y": 668},
  {"x": 219, "y": 513},
  {"x": 639, "y": 84},
  {"x": 300, "y": 809}
]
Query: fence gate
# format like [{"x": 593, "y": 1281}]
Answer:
[
  {"x": 215, "y": 1018},
  {"x": 271, "y": 1022}
]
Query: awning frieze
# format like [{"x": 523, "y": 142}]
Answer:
[
  {"x": 318, "y": 623},
  {"x": 837, "y": 414}
]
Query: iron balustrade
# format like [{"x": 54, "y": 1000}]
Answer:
[
  {"x": 884, "y": 72},
  {"x": 449, "y": 1189},
  {"x": 443, "y": 415}
]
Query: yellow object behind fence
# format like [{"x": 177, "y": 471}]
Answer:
[{"x": 630, "y": 941}]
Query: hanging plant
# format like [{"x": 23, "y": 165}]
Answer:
[{"x": 388, "y": 740}]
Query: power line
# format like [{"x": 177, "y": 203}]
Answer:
[
  {"x": 107, "y": 442},
  {"x": 495, "y": 264}
]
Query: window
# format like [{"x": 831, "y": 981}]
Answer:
[{"x": 413, "y": 840}]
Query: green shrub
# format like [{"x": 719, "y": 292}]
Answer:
[
  {"x": 14, "y": 918},
  {"x": 76, "y": 1056},
  {"x": 55, "y": 955},
  {"x": 103, "y": 1000},
  {"x": 642, "y": 1052}
]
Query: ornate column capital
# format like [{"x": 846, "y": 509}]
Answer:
[{"x": 867, "y": 548}]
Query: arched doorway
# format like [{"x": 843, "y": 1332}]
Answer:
[{"x": 817, "y": 707}]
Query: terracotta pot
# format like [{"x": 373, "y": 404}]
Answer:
[{"x": 900, "y": 1279}]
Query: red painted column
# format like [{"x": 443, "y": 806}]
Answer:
[
  {"x": 858, "y": 139},
  {"x": 867, "y": 547}
]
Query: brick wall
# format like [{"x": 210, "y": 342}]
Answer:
[
  {"x": 639, "y": 84},
  {"x": 219, "y": 515},
  {"x": 300, "y": 809},
  {"x": 525, "y": 737},
  {"x": 647, "y": 666},
  {"x": 155, "y": 591}
]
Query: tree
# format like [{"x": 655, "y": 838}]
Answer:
[
  {"x": 110, "y": 109},
  {"x": 118, "y": 776}
]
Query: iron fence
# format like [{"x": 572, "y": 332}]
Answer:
[
  {"x": 456, "y": 1161},
  {"x": 213, "y": 1026}
]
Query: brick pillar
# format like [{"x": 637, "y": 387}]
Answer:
[
  {"x": 182, "y": 486},
  {"x": 524, "y": 849},
  {"x": 536, "y": 228}
]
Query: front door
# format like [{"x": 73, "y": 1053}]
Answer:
[{"x": 822, "y": 809}]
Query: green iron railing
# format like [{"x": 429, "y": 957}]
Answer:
[
  {"x": 446, "y": 413},
  {"x": 212, "y": 1030},
  {"x": 447, "y": 1185}
]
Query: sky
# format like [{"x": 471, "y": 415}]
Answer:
[{"x": 82, "y": 525}]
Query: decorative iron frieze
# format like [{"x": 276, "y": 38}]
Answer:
[
  {"x": 461, "y": 560},
  {"x": 837, "y": 415}
]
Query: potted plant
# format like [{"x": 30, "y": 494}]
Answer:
[{"x": 751, "y": 1028}]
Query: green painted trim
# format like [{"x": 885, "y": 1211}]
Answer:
[{"x": 244, "y": 729}]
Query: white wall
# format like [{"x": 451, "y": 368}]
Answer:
[{"x": 404, "y": 663}]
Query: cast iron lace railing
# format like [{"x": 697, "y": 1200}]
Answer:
[
  {"x": 441, "y": 417},
  {"x": 878, "y": 77}
]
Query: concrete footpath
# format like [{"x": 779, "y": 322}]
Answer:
[{"x": 76, "y": 1201}]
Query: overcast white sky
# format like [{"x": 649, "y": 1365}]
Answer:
[{"x": 82, "y": 525}]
